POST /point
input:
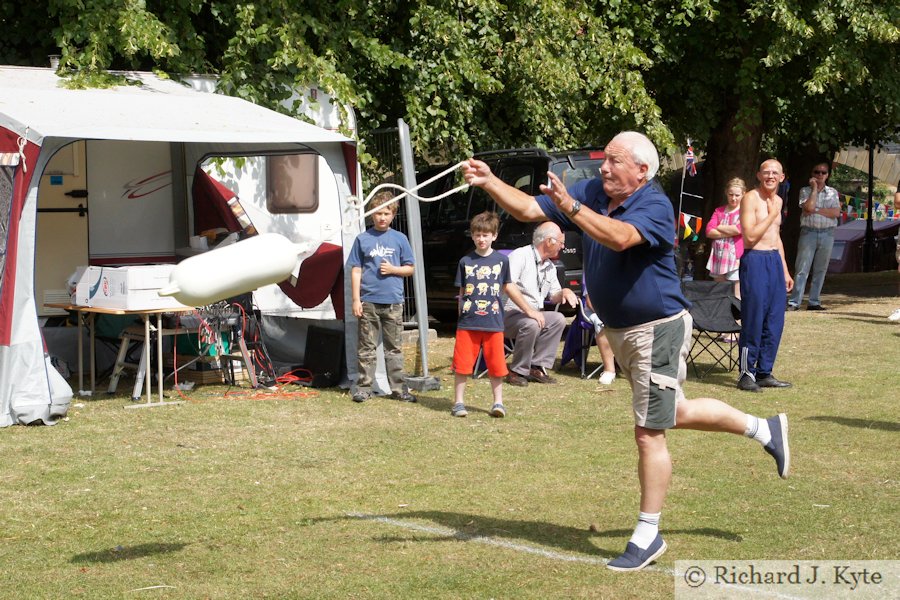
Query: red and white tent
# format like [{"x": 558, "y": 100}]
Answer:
[{"x": 38, "y": 116}]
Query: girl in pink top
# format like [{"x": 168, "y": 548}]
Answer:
[{"x": 724, "y": 229}]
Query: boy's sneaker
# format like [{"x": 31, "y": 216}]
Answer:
[
  {"x": 459, "y": 410},
  {"x": 498, "y": 411},
  {"x": 361, "y": 396},
  {"x": 778, "y": 447},
  {"x": 894, "y": 316},
  {"x": 403, "y": 396},
  {"x": 635, "y": 559}
]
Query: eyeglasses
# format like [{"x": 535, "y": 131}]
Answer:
[
  {"x": 561, "y": 242},
  {"x": 820, "y": 172},
  {"x": 771, "y": 173}
]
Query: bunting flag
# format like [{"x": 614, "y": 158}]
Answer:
[
  {"x": 690, "y": 226},
  {"x": 690, "y": 164}
]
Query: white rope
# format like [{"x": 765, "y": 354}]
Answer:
[
  {"x": 21, "y": 143},
  {"x": 354, "y": 202},
  {"x": 411, "y": 191}
]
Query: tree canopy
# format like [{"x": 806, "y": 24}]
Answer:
[{"x": 735, "y": 76}]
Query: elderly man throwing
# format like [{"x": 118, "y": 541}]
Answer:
[
  {"x": 629, "y": 231},
  {"x": 537, "y": 333}
]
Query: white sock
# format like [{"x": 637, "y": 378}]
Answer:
[
  {"x": 646, "y": 531},
  {"x": 758, "y": 429}
]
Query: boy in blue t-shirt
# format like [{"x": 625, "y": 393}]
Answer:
[
  {"x": 379, "y": 260},
  {"x": 481, "y": 277}
]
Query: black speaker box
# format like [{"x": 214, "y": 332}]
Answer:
[{"x": 324, "y": 356}]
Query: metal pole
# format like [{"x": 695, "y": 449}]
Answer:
[
  {"x": 414, "y": 223},
  {"x": 869, "y": 243},
  {"x": 679, "y": 251}
]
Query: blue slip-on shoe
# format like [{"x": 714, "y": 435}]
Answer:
[
  {"x": 778, "y": 447},
  {"x": 635, "y": 559},
  {"x": 459, "y": 410},
  {"x": 498, "y": 411}
]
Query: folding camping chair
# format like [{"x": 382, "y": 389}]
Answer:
[
  {"x": 579, "y": 339},
  {"x": 715, "y": 311}
]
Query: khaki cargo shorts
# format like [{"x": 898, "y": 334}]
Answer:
[{"x": 653, "y": 357}]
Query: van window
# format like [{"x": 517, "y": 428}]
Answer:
[
  {"x": 582, "y": 170},
  {"x": 520, "y": 177}
]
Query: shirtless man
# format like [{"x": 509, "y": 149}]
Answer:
[{"x": 764, "y": 280}]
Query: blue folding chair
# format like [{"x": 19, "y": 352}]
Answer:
[{"x": 582, "y": 334}]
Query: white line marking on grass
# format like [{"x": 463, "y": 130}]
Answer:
[{"x": 466, "y": 537}]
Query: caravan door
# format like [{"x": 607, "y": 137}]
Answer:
[{"x": 62, "y": 226}]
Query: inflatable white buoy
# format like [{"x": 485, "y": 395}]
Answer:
[{"x": 235, "y": 269}]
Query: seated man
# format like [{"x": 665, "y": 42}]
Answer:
[{"x": 537, "y": 337}]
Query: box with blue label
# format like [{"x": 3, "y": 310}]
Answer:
[{"x": 128, "y": 288}]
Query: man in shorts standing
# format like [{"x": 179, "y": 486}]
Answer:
[{"x": 629, "y": 226}]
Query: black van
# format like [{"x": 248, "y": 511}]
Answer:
[{"x": 445, "y": 223}]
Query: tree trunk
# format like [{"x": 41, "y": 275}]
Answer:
[
  {"x": 732, "y": 151},
  {"x": 798, "y": 164}
]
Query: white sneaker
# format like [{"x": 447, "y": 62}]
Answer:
[
  {"x": 895, "y": 316},
  {"x": 607, "y": 377}
]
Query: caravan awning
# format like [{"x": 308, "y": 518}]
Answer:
[{"x": 154, "y": 110}]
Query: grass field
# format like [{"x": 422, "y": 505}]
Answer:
[{"x": 308, "y": 495}]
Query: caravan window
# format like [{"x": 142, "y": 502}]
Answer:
[{"x": 292, "y": 183}]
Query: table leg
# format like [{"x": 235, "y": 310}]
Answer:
[
  {"x": 146, "y": 361},
  {"x": 93, "y": 353},
  {"x": 147, "y": 350},
  {"x": 159, "y": 357},
  {"x": 80, "y": 321}
]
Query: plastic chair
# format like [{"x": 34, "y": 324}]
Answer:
[{"x": 715, "y": 311}]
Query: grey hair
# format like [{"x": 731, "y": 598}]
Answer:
[
  {"x": 543, "y": 231},
  {"x": 642, "y": 150}
]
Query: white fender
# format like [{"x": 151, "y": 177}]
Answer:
[{"x": 235, "y": 269}]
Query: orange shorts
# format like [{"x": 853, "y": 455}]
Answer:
[{"x": 465, "y": 352}]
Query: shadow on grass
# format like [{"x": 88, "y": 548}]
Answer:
[
  {"x": 860, "y": 423},
  {"x": 856, "y": 317},
  {"x": 465, "y": 527},
  {"x": 125, "y": 553},
  {"x": 443, "y": 404},
  {"x": 717, "y": 376}
]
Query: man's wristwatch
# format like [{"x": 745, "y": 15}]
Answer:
[{"x": 576, "y": 206}]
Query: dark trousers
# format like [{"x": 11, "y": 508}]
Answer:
[{"x": 763, "y": 297}]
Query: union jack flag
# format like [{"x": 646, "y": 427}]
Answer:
[{"x": 689, "y": 162}]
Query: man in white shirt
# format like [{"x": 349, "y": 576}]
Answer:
[
  {"x": 536, "y": 333},
  {"x": 821, "y": 208}
]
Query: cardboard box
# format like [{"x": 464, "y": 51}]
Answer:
[
  {"x": 127, "y": 288},
  {"x": 208, "y": 370}
]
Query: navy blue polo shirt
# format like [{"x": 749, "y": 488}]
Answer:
[{"x": 637, "y": 285}]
